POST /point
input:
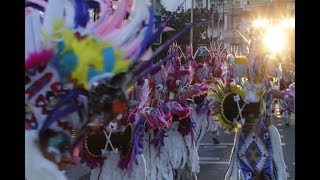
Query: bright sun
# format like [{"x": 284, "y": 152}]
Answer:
[{"x": 274, "y": 39}]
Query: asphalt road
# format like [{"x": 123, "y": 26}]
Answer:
[{"x": 214, "y": 158}]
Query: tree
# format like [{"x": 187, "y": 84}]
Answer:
[{"x": 202, "y": 19}]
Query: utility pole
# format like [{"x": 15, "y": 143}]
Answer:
[
  {"x": 212, "y": 19},
  {"x": 191, "y": 31}
]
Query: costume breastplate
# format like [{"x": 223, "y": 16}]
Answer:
[{"x": 254, "y": 152}]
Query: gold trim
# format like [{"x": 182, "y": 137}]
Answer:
[{"x": 86, "y": 146}]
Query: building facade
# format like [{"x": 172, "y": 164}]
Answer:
[
  {"x": 231, "y": 15},
  {"x": 238, "y": 15}
]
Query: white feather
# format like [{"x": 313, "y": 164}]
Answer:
[
  {"x": 32, "y": 33},
  {"x": 111, "y": 170},
  {"x": 193, "y": 160},
  {"x": 158, "y": 167},
  {"x": 53, "y": 13},
  {"x": 233, "y": 170},
  {"x": 145, "y": 91},
  {"x": 69, "y": 10},
  {"x": 177, "y": 149}
]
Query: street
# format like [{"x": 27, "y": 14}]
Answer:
[{"x": 214, "y": 158}]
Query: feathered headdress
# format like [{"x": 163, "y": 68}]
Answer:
[{"x": 228, "y": 102}]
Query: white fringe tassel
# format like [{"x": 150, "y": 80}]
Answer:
[{"x": 277, "y": 153}]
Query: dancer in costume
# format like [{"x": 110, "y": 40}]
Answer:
[
  {"x": 246, "y": 109},
  {"x": 287, "y": 105},
  {"x": 55, "y": 109}
]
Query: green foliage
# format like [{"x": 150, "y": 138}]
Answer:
[{"x": 202, "y": 18}]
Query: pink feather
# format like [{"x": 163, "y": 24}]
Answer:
[
  {"x": 37, "y": 58},
  {"x": 115, "y": 20},
  {"x": 167, "y": 29},
  {"x": 105, "y": 12},
  {"x": 157, "y": 120},
  {"x": 132, "y": 47},
  {"x": 176, "y": 108},
  {"x": 198, "y": 88},
  {"x": 27, "y": 11},
  {"x": 131, "y": 26},
  {"x": 184, "y": 75}
]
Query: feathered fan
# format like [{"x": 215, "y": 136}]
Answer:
[{"x": 227, "y": 104}]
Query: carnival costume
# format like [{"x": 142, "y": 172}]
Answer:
[
  {"x": 246, "y": 109},
  {"x": 79, "y": 76}
]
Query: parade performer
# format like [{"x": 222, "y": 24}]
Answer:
[
  {"x": 54, "y": 109},
  {"x": 126, "y": 148},
  {"x": 246, "y": 109},
  {"x": 77, "y": 81},
  {"x": 287, "y": 105}
]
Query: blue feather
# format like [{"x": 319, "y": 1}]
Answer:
[
  {"x": 109, "y": 59},
  {"x": 92, "y": 72},
  {"x": 65, "y": 63},
  {"x": 81, "y": 17},
  {"x": 147, "y": 37},
  {"x": 137, "y": 135}
]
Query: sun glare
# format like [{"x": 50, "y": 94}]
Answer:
[
  {"x": 274, "y": 39},
  {"x": 260, "y": 23},
  {"x": 288, "y": 22}
]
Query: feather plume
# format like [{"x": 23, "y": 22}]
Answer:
[
  {"x": 81, "y": 17},
  {"x": 115, "y": 20},
  {"x": 32, "y": 33},
  {"x": 145, "y": 92},
  {"x": 70, "y": 14},
  {"x": 139, "y": 14},
  {"x": 176, "y": 108},
  {"x": 53, "y": 13},
  {"x": 147, "y": 36},
  {"x": 38, "y": 58}
]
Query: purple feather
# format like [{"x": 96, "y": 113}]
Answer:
[
  {"x": 153, "y": 67},
  {"x": 157, "y": 120},
  {"x": 198, "y": 88},
  {"x": 162, "y": 48},
  {"x": 137, "y": 148}
]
